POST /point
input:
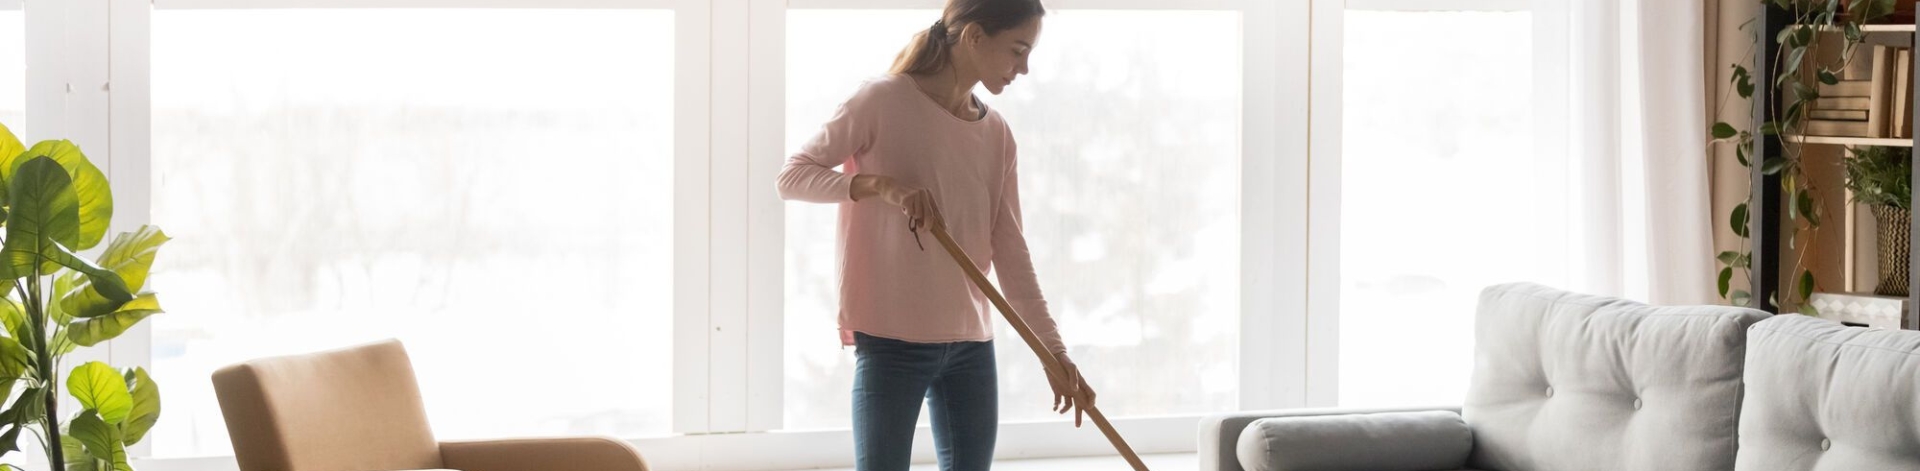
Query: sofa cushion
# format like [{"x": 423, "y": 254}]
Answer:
[
  {"x": 1821, "y": 396},
  {"x": 1564, "y": 381}
]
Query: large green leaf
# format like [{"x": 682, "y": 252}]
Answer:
[
  {"x": 93, "y": 330},
  {"x": 15, "y": 362},
  {"x": 42, "y": 225},
  {"x": 130, "y": 255},
  {"x": 90, "y": 188},
  {"x": 44, "y": 212},
  {"x": 10, "y": 150},
  {"x": 105, "y": 281},
  {"x": 63, "y": 283},
  {"x": 14, "y": 316},
  {"x": 10, "y": 440},
  {"x": 146, "y": 406},
  {"x": 76, "y": 456},
  {"x": 100, "y": 438},
  {"x": 100, "y": 388},
  {"x": 27, "y": 407}
]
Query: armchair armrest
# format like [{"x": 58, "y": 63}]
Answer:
[
  {"x": 542, "y": 454},
  {"x": 1219, "y": 442}
]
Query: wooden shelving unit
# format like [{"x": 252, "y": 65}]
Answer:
[{"x": 1765, "y": 205}]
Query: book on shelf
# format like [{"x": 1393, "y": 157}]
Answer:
[
  {"x": 1838, "y": 115},
  {"x": 1847, "y": 88},
  {"x": 1902, "y": 103},
  {"x": 1879, "y": 95},
  {"x": 1860, "y": 66},
  {"x": 1822, "y": 127},
  {"x": 1843, "y": 103}
]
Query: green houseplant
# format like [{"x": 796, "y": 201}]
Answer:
[
  {"x": 1795, "y": 82},
  {"x": 1882, "y": 179},
  {"x": 56, "y": 203}
]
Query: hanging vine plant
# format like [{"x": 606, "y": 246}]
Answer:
[{"x": 1794, "y": 80}]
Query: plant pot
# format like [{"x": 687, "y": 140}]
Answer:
[{"x": 1892, "y": 225}]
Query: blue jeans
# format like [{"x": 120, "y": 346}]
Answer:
[{"x": 958, "y": 382}]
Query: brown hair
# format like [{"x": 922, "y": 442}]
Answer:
[{"x": 930, "y": 49}]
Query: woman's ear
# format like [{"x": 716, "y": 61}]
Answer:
[{"x": 972, "y": 34}]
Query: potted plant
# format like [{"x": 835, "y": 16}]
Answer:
[
  {"x": 54, "y": 203},
  {"x": 1793, "y": 77},
  {"x": 1882, "y": 179}
]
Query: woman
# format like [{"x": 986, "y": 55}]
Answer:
[{"x": 908, "y": 139}]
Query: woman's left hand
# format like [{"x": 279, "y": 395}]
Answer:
[{"x": 1070, "y": 391}]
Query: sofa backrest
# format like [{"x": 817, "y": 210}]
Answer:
[
  {"x": 1821, "y": 396},
  {"x": 1566, "y": 382}
]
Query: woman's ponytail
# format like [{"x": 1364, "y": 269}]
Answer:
[
  {"x": 927, "y": 53},
  {"x": 932, "y": 49}
]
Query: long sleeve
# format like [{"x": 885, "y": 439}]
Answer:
[
  {"x": 809, "y": 175},
  {"x": 1013, "y": 264}
]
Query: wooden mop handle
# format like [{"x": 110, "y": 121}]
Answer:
[{"x": 1047, "y": 359}]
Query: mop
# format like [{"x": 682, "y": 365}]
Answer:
[{"x": 1047, "y": 360}]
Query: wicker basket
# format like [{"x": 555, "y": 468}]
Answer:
[{"x": 1892, "y": 224}]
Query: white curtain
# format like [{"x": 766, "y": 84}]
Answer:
[{"x": 1637, "y": 206}]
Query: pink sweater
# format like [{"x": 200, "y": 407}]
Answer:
[{"x": 889, "y": 287}]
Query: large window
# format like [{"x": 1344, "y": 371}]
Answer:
[
  {"x": 570, "y": 200},
  {"x": 1438, "y": 159},
  {"x": 13, "y": 62},
  {"x": 1129, "y": 131},
  {"x": 492, "y": 187}
]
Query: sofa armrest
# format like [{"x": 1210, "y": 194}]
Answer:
[
  {"x": 1219, "y": 440},
  {"x": 542, "y": 454},
  {"x": 1393, "y": 441}
]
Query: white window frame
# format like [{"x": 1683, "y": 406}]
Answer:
[
  {"x": 1550, "y": 79},
  {"x": 728, "y": 349}
]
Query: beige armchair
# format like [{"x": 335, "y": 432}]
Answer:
[{"x": 359, "y": 409}]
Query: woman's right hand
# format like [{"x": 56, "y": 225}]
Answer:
[{"x": 916, "y": 203}]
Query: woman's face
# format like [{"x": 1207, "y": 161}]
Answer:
[{"x": 999, "y": 58}]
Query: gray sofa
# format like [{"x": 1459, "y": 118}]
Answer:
[{"x": 1565, "y": 382}]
